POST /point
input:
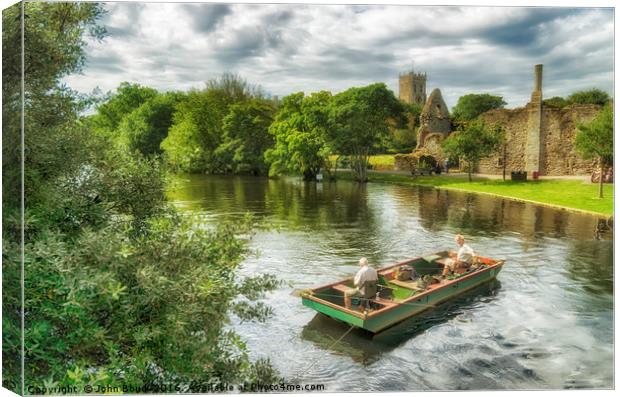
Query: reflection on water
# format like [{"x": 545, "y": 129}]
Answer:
[{"x": 550, "y": 325}]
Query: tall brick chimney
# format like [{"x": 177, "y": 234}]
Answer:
[{"x": 533, "y": 148}]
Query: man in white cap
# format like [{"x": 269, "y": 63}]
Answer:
[
  {"x": 462, "y": 259},
  {"x": 365, "y": 283}
]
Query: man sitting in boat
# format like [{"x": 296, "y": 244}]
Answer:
[
  {"x": 365, "y": 282},
  {"x": 462, "y": 259}
]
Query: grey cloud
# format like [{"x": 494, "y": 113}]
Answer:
[
  {"x": 207, "y": 17},
  {"x": 360, "y": 9},
  {"x": 278, "y": 18},
  {"x": 254, "y": 42},
  {"x": 133, "y": 13},
  {"x": 525, "y": 30},
  {"x": 344, "y": 61},
  {"x": 245, "y": 43},
  {"x": 334, "y": 69},
  {"x": 522, "y": 33},
  {"x": 109, "y": 63}
]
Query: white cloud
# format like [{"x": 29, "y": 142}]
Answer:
[{"x": 296, "y": 47}]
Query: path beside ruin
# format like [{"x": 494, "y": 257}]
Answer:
[{"x": 584, "y": 178}]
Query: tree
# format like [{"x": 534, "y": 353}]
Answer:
[
  {"x": 360, "y": 118},
  {"x": 591, "y": 96},
  {"x": 556, "y": 101},
  {"x": 595, "y": 140},
  {"x": 471, "y": 106},
  {"x": 54, "y": 34},
  {"x": 118, "y": 288},
  {"x": 403, "y": 140},
  {"x": 473, "y": 141},
  {"x": 300, "y": 133},
  {"x": 146, "y": 126},
  {"x": 127, "y": 98},
  {"x": 246, "y": 136},
  {"x": 197, "y": 129}
]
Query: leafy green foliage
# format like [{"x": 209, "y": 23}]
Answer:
[
  {"x": 360, "y": 118},
  {"x": 146, "y": 126},
  {"x": 471, "y": 106},
  {"x": 595, "y": 140},
  {"x": 246, "y": 136},
  {"x": 198, "y": 126},
  {"x": 54, "y": 39},
  {"x": 556, "y": 101},
  {"x": 108, "y": 301},
  {"x": 472, "y": 142},
  {"x": 54, "y": 36},
  {"x": 403, "y": 140},
  {"x": 118, "y": 288},
  {"x": 300, "y": 133},
  {"x": 127, "y": 98},
  {"x": 591, "y": 96}
]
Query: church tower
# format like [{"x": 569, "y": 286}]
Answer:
[{"x": 412, "y": 87}]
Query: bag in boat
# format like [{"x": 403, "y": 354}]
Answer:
[{"x": 406, "y": 273}]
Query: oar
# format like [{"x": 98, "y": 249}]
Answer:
[{"x": 298, "y": 292}]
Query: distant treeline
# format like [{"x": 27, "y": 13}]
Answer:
[
  {"x": 231, "y": 126},
  {"x": 592, "y": 96}
]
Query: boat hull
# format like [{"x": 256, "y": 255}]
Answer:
[{"x": 389, "y": 316}]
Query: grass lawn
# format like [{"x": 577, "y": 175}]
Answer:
[
  {"x": 382, "y": 160},
  {"x": 376, "y": 160},
  {"x": 561, "y": 193}
]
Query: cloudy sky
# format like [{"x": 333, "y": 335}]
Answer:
[{"x": 299, "y": 47}]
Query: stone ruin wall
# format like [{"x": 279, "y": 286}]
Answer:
[
  {"x": 432, "y": 144},
  {"x": 515, "y": 123},
  {"x": 558, "y": 131},
  {"x": 434, "y": 119}
]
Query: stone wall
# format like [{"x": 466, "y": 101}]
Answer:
[
  {"x": 559, "y": 127},
  {"x": 433, "y": 146},
  {"x": 404, "y": 162},
  {"x": 434, "y": 118},
  {"x": 558, "y": 130}
]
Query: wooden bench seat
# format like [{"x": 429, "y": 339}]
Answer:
[
  {"x": 384, "y": 302},
  {"x": 405, "y": 284},
  {"x": 413, "y": 285},
  {"x": 341, "y": 287}
]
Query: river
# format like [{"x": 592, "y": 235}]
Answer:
[{"x": 546, "y": 323}]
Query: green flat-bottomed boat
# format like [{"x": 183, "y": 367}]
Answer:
[{"x": 402, "y": 299}]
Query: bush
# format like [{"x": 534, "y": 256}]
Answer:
[
  {"x": 471, "y": 106},
  {"x": 115, "y": 306},
  {"x": 344, "y": 162},
  {"x": 556, "y": 101},
  {"x": 592, "y": 96}
]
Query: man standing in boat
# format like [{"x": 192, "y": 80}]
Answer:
[
  {"x": 461, "y": 259},
  {"x": 365, "y": 283}
]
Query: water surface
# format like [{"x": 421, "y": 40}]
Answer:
[{"x": 547, "y": 322}]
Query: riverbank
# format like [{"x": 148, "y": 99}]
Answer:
[{"x": 575, "y": 195}]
